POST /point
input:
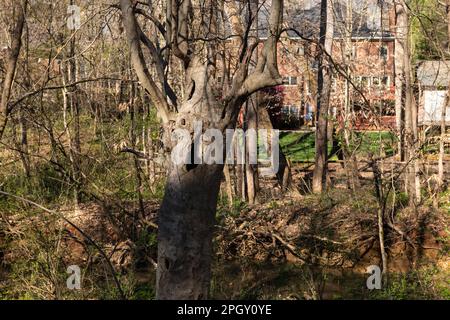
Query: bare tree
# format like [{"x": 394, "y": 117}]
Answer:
[
  {"x": 444, "y": 113},
  {"x": 410, "y": 124},
  {"x": 19, "y": 11},
  {"x": 187, "y": 214},
  {"x": 324, "y": 87},
  {"x": 401, "y": 26}
]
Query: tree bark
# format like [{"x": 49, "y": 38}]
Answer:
[
  {"x": 228, "y": 186},
  {"x": 11, "y": 63},
  {"x": 187, "y": 214},
  {"x": 442, "y": 141},
  {"x": 412, "y": 185},
  {"x": 324, "y": 86},
  {"x": 72, "y": 104},
  {"x": 400, "y": 42},
  {"x": 444, "y": 115},
  {"x": 251, "y": 170},
  {"x": 186, "y": 227}
]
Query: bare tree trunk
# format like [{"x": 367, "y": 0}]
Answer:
[
  {"x": 23, "y": 147},
  {"x": 442, "y": 140},
  {"x": 187, "y": 214},
  {"x": 378, "y": 179},
  {"x": 400, "y": 42},
  {"x": 137, "y": 168},
  {"x": 324, "y": 87},
  {"x": 73, "y": 105},
  {"x": 186, "y": 226},
  {"x": 350, "y": 161},
  {"x": 228, "y": 185},
  {"x": 444, "y": 115},
  {"x": 11, "y": 62},
  {"x": 251, "y": 123},
  {"x": 251, "y": 170},
  {"x": 412, "y": 185}
]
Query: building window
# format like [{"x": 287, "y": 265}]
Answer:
[
  {"x": 290, "y": 111},
  {"x": 384, "y": 51},
  {"x": 376, "y": 81},
  {"x": 381, "y": 82},
  {"x": 365, "y": 82},
  {"x": 290, "y": 81},
  {"x": 294, "y": 81},
  {"x": 285, "y": 110}
]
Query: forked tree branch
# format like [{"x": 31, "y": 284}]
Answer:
[
  {"x": 266, "y": 72},
  {"x": 138, "y": 61}
]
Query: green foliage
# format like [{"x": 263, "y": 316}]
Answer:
[
  {"x": 223, "y": 208},
  {"x": 144, "y": 292},
  {"x": 416, "y": 285},
  {"x": 45, "y": 184},
  {"x": 428, "y": 29},
  {"x": 36, "y": 266}
]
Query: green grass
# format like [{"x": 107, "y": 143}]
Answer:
[
  {"x": 373, "y": 142},
  {"x": 300, "y": 146}
]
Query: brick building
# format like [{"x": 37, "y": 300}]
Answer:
[{"x": 364, "y": 56}]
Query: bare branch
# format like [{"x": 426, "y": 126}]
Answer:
[{"x": 137, "y": 59}]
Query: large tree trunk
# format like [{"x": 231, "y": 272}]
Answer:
[
  {"x": 187, "y": 214},
  {"x": 324, "y": 84},
  {"x": 186, "y": 226}
]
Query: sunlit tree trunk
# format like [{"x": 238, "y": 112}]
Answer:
[
  {"x": 20, "y": 8},
  {"x": 411, "y": 134},
  {"x": 251, "y": 169},
  {"x": 350, "y": 161},
  {"x": 324, "y": 88},
  {"x": 444, "y": 114},
  {"x": 400, "y": 42}
]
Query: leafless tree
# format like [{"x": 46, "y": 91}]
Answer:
[
  {"x": 324, "y": 87},
  {"x": 187, "y": 214}
]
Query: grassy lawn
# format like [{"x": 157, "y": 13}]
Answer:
[{"x": 299, "y": 146}]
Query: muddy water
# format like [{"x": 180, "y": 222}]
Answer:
[{"x": 413, "y": 274}]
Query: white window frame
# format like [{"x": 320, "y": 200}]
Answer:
[{"x": 290, "y": 80}]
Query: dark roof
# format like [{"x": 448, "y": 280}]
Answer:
[{"x": 367, "y": 20}]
